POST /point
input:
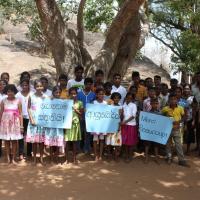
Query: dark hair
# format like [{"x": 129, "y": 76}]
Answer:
[
  {"x": 25, "y": 81},
  {"x": 148, "y": 79},
  {"x": 135, "y": 74},
  {"x": 180, "y": 88},
  {"x": 63, "y": 76},
  {"x": 164, "y": 85},
  {"x": 43, "y": 78},
  {"x": 133, "y": 87},
  {"x": 99, "y": 72},
  {"x": 36, "y": 82},
  {"x": 151, "y": 88},
  {"x": 157, "y": 76},
  {"x": 154, "y": 100},
  {"x": 116, "y": 74},
  {"x": 107, "y": 84},
  {"x": 129, "y": 94},
  {"x": 24, "y": 73},
  {"x": 172, "y": 95},
  {"x": 55, "y": 88},
  {"x": 78, "y": 67},
  {"x": 173, "y": 80},
  {"x": 99, "y": 90},
  {"x": 88, "y": 80},
  {"x": 115, "y": 94},
  {"x": 73, "y": 89},
  {"x": 5, "y": 73},
  {"x": 10, "y": 87}
]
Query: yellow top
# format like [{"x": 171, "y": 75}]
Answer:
[
  {"x": 64, "y": 94},
  {"x": 177, "y": 113}
]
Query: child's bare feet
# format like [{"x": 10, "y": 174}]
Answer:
[
  {"x": 42, "y": 161},
  {"x": 66, "y": 162},
  {"x": 96, "y": 158},
  {"x": 14, "y": 162}
]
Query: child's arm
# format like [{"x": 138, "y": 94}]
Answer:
[
  {"x": 29, "y": 112},
  {"x": 1, "y": 109},
  {"x": 20, "y": 116}
]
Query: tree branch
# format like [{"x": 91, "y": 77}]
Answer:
[{"x": 166, "y": 44}]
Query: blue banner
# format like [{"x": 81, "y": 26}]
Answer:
[
  {"x": 102, "y": 118},
  {"x": 154, "y": 127},
  {"x": 54, "y": 113}
]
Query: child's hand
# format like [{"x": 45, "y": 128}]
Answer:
[
  {"x": 193, "y": 123},
  {"x": 122, "y": 123},
  {"x": 22, "y": 129},
  {"x": 176, "y": 125},
  {"x": 33, "y": 122}
]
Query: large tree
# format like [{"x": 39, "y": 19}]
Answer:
[{"x": 119, "y": 49}]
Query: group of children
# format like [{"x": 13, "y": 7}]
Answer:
[{"x": 19, "y": 104}]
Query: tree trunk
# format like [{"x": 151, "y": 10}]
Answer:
[
  {"x": 107, "y": 55},
  {"x": 128, "y": 47},
  {"x": 62, "y": 41},
  {"x": 119, "y": 49},
  {"x": 86, "y": 57}
]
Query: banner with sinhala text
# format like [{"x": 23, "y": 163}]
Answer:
[
  {"x": 102, "y": 118},
  {"x": 54, "y": 113}
]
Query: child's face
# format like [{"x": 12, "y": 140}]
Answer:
[
  {"x": 45, "y": 84},
  {"x": 117, "y": 80},
  {"x": 164, "y": 90},
  {"x": 152, "y": 93},
  {"x": 10, "y": 94},
  {"x": 108, "y": 89},
  {"x": 100, "y": 96},
  {"x": 63, "y": 83},
  {"x": 5, "y": 78},
  {"x": 79, "y": 74},
  {"x": 133, "y": 91},
  {"x": 88, "y": 86},
  {"x": 178, "y": 93},
  {"x": 39, "y": 87},
  {"x": 116, "y": 100},
  {"x": 57, "y": 93},
  {"x": 73, "y": 94},
  {"x": 25, "y": 87},
  {"x": 172, "y": 101},
  {"x": 136, "y": 80},
  {"x": 154, "y": 105},
  {"x": 157, "y": 81},
  {"x": 99, "y": 78},
  {"x": 2, "y": 86},
  {"x": 129, "y": 98},
  {"x": 187, "y": 91}
]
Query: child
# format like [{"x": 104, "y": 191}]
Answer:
[
  {"x": 78, "y": 82},
  {"x": 128, "y": 125},
  {"x": 189, "y": 133},
  {"x": 25, "y": 75},
  {"x": 62, "y": 82},
  {"x": 164, "y": 95},
  {"x": 74, "y": 134},
  {"x": 107, "y": 87},
  {"x": 54, "y": 137},
  {"x": 5, "y": 77},
  {"x": 35, "y": 133},
  {"x": 115, "y": 139},
  {"x": 118, "y": 88},
  {"x": 23, "y": 96},
  {"x": 177, "y": 114},
  {"x": 99, "y": 76},
  {"x": 86, "y": 95},
  {"x": 2, "y": 96},
  {"x": 154, "y": 109},
  {"x": 45, "y": 84},
  {"x": 11, "y": 122},
  {"x": 98, "y": 138},
  {"x": 146, "y": 103}
]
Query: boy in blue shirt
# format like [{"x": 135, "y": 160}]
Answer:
[{"x": 86, "y": 95}]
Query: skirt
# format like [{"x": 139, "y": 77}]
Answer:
[{"x": 129, "y": 135}]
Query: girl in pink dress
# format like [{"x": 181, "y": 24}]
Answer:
[
  {"x": 11, "y": 128},
  {"x": 128, "y": 126}
]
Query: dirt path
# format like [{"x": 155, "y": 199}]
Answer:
[{"x": 97, "y": 181}]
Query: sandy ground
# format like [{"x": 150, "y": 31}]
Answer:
[{"x": 106, "y": 180}]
